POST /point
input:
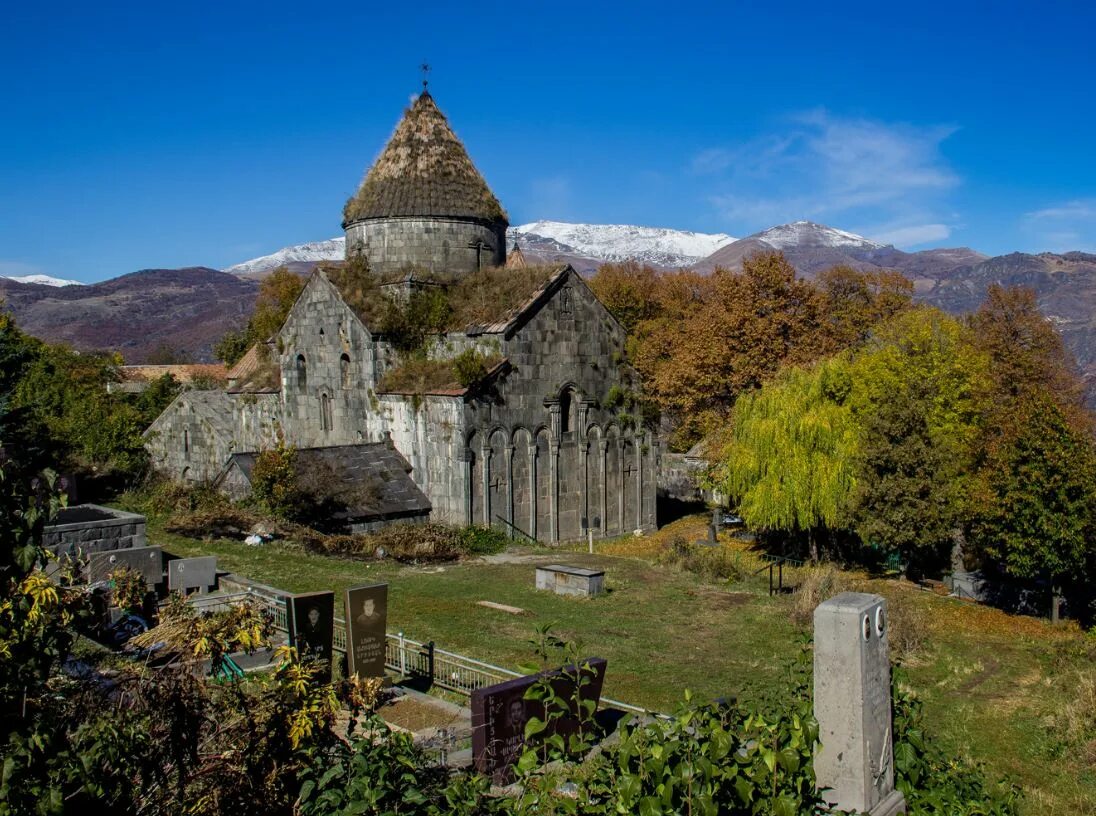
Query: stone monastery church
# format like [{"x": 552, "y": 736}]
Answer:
[{"x": 514, "y": 414}]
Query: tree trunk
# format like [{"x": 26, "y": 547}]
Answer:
[
  {"x": 812, "y": 546},
  {"x": 1055, "y": 603}
]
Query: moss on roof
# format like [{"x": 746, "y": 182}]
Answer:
[
  {"x": 495, "y": 294},
  {"x": 491, "y": 295},
  {"x": 418, "y": 375},
  {"x": 257, "y": 372},
  {"x": 423, "y": 170}
]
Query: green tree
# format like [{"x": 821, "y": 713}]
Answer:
[
  {"x": 789, "y": 460},
  {"x": 1036, "y": 501},
  {"x": 921, "y": 395}
]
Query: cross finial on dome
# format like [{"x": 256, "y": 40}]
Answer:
[{"x": 425, "y": 68}]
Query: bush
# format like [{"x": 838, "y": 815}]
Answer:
[
  {"x": 816, "y": 584},
  {"x": 477, "y": 540},
  {"x": 710, "y": 563}
]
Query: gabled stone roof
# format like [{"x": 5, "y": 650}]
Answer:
[
  {"x": 369, "y": 481},
  {"x": 424, "y": 170},
  {"x": 215, "y": 407}
]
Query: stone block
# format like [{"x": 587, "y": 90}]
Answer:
[
  {"x": 852, "y": 702},
  {"x": 566, "y": 580}
]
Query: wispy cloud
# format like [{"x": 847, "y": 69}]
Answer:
[
  {"x": 1070, "y": 225},
  {"x": 849, "y": 171}
]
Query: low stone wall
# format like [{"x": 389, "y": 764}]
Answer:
[{"x": 89, "y": 528}]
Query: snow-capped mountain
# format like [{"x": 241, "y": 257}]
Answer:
[
  {"x": 42, "y": 280},
  {"x": 333, "y": 249},
  {"x": 810, "y": 234},
  {"x": 619, "y": 242}
]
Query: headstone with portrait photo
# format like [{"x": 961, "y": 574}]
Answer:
[
  {"x": 311, "y": 621},
  {"x": 366, "y": 621},
  {"x": 501, "y": 712}
]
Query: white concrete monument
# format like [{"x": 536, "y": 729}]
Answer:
[{"x": 852, "y": 701}]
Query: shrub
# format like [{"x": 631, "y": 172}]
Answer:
[
  {"x": 274, "y": 482},
  {"x": 710, "y": 563},
  {"x": 816, "y": 584},
  {"x": 478, "y": 540},
  {"x": 128, "y": 588}
]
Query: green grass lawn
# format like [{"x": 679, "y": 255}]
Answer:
[{"x": 989, "y": 681}]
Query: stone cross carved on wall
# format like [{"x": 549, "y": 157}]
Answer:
[{"x": 480, "y": 247}]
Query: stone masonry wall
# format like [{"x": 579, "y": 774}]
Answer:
[
  {"x": 117, "y": 531},
  {"x": 436, "y": 244},
  {"x": 543, "y": 453},
  {"x": 184, "y": 445},
  {"x": 321, "y": 330}
]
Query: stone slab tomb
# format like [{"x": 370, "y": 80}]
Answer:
[
  {"x": 192, "y": 574},
  {"x": 500, "y": 713},
  {"x": 852, "y": 701},
  {"x": 84, "y": 529},
  {"x": 565, "y": 580},
  {"x": 149, "y": 561}
]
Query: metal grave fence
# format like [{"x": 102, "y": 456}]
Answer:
[{"x": 411, "y": 658}]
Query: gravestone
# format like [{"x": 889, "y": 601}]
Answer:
[
  {"x": 564, "y": 580},
  {"x": 149, "y": 561},
  {"x": 500, "y": 713},
  {"x": 311, "y": 619},
  {"x": 186, "y": 574},
  {"x": 366, "y": 621},
  {"x": 852, "y": 702}
]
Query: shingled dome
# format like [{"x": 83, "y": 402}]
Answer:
[{"x": 423, "y": 171}]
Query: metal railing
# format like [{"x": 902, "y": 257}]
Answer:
[{"x": 411, "y": 658}]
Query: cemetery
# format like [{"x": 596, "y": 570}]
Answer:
[{"x": 453, "y": 640}]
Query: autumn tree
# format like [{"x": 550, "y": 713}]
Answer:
[
  {"x": 855, "y": 301},
  {"x": 277, "y": 293},
  {"x": 717, "y": 337},
  {"x": 629, "y": 291}
]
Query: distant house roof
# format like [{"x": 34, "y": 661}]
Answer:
[
  {"x": 370, "y": 481},
  {"x": 257, "y": 372},
  {"x": 136, "y": 378},
  {"x": 424, "y": 170}
]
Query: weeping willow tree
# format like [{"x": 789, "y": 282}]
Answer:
[{"x": 789, "y": 458}]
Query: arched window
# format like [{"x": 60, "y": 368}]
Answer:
[
  {"x": 566, "y": 409},
  {"x": 302, "y": 373},
  {"x": 344, "y": 370},
  {"x": 325, "y": 412},
  {"x": 186, "y": 443}
]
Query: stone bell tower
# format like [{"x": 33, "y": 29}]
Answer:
[{"x": 423, "y": 206}]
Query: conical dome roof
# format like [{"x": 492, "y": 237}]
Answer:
[{"x": 424, "y": 170}]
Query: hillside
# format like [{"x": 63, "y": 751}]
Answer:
[{"x": 185, "y": 309}]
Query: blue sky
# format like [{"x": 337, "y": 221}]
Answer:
[{"x": 164, "y": 135}]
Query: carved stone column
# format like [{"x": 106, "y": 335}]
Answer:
[
  {"x": 620, "y": 486},
  {"x": 486, "y": 453},
  {"x": 510, "y": 486},
  {"x": 553, "y": 476},
  {"x": 603, "y": 451},
  {"x": 639, "y": 482},
  {"x": 533, "y": 489}
]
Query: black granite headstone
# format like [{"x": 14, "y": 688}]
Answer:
[
  {"x": 366, "y": 619},
  {"x": 500, "y": 713},
  {"x": 312, "y": 629}
]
